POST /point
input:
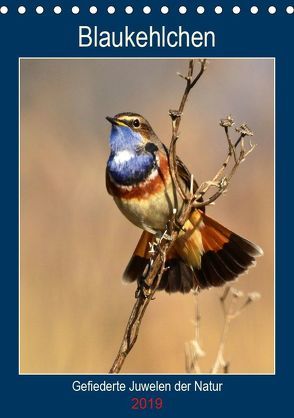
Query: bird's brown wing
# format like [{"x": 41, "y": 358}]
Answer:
[{"x": 185, "y": 175}]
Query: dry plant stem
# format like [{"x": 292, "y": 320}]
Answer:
[
  {"x": 220, "y": 181},
  {"x": 227, "y": 312},
  {"x": 231, "y": 311},
  {"x": 192, "y": 356},
  {"x": 233, "y": 303},
  {"x": 157, "y": 262},
  {"x": 220, "y": 362},
  {"x": 139, "y": 308},
  {"x": 176, "y": 116}
]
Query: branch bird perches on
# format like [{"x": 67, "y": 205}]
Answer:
[{"x": 192, "y": 199}]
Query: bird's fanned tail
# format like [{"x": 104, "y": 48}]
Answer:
[{"x": 205, "y": 254}]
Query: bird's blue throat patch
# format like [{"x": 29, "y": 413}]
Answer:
[
  {"x": 123, "y": 138},
  {"x": 128, "y": 162}
]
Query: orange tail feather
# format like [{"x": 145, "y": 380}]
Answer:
[{"x": 205, "y": 254}]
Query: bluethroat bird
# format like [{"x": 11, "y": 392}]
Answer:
[{"x": 138, "y": 178}]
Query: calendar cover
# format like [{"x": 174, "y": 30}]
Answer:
[{"x": 146, "y": 163}]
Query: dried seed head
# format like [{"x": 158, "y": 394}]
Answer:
[
  {"x": 244, "y": 130},
  {"x": 227, "y": 122}
]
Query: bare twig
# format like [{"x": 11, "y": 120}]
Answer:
[
  {"x": 231, "y": 309},
  {"x": 220, "y": 181},
  {"x": 139, "y": 308},
  {"x": 193, "y": 350},
  {"x": 228, "y": 301},
  {"x": 176, "y": 116},
  {"x": 192, "y": 199}
]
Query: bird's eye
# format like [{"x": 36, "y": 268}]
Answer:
[{"x": 136, "y": 123}]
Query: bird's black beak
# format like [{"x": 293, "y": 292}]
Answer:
[
  {"x": 113, "y": 121},
  {"x": 116, "y": 121}
]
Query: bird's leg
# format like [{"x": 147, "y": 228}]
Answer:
[{"x": 144, "y": 289}]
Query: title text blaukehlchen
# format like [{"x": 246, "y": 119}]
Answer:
[{"x": 91, "y": 36}]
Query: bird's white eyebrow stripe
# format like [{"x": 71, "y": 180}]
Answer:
[
  {"x": 129, "y": 118},
  {"x": 123, "y": 156}
]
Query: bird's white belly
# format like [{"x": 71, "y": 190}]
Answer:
[{"x": 151, "y": 213}]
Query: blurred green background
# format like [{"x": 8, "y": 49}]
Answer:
[{"x": 75, "y": 243}]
